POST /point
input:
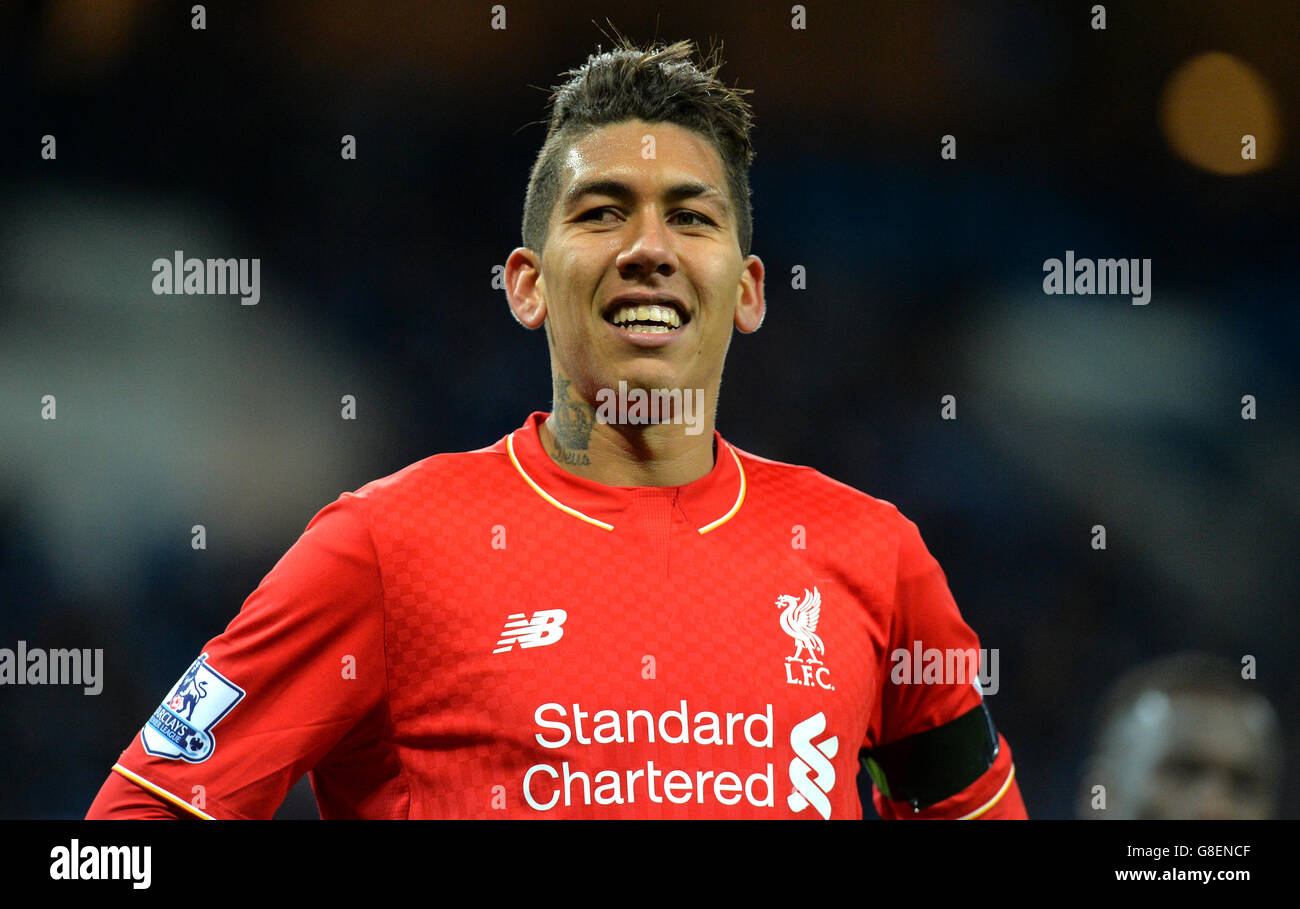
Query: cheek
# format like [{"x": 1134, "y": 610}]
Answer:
[
  {"x": 560, "y": 304},
  {"x": 722, "y": 315},
  {"x": 575, "y": 289},
  {"x": 720, "y": 290}
]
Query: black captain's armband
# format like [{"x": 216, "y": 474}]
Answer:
[{"x": 928, "y": 767}]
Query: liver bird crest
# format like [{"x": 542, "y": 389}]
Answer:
[{"x": 800, "y": 622}]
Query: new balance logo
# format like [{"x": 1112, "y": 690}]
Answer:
[
  {"x": 810, "y": 758},
  {"x": 545, "y": 627}
]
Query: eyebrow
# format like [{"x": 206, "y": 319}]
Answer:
[{"x": 623, "y": 192}]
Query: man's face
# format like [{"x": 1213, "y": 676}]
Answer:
[
  {"x": 643, "y": 212},
  {"x": 1197, "y": 757}
]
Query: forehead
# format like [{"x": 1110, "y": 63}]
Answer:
[
  {"x": 1199, "y": 727},
  {"x": 1215, "y": 728},
  {"x": 636, "y": 149}
]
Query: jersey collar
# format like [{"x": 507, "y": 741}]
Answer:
[{"x": 707, "y": 503}]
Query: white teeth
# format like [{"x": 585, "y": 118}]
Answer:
[{"x": 652, "y": 312}]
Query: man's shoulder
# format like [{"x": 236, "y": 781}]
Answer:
[
  {"x": 814, "y": 489},
  {"x": 447, "y": 473}
]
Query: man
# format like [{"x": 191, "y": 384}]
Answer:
[
  {"x": 611, "y": 612},
  {"x": 1184, "y": 737}
]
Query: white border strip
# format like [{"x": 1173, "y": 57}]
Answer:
[
  {"x": 993, "y": 801},
  {"x": 510, "y": 448},
  {"x": 161, "y": 792}
]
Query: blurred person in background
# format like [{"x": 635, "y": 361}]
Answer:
[{"x": 1184, "y": 737}]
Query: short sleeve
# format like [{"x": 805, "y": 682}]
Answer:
[
  {"x": 298, "y": 676},
  {"x": 932, "y": 673},
  {"x": 932, "y": 679}
]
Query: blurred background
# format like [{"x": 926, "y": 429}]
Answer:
[{"x": 924, "y": 279}]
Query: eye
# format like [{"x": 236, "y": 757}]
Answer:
[
  {"x": 701, "y": 219},
  {"x": 587, "y": 216}
]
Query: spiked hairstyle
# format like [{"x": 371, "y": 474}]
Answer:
[{"x": 659, "y": 84}]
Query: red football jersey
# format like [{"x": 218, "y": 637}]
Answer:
[{"x": 483, "y": 634}]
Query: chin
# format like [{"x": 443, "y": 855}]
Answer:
[{"x": 647, "y": 373}]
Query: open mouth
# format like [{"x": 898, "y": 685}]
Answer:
[{"x": 647, "y": 318}]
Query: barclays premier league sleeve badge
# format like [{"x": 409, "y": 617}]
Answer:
[{"x": 181, "y": 727}]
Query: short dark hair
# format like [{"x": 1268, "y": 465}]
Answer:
[
  {"x": 1185, "y": 673},
  {"x": 659, "y": 84}
]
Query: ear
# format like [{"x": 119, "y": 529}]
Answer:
[
  {"x": 750, "y": 307},
  {"x": 524, "y": 288}
]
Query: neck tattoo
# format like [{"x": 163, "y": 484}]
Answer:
[{"x": 574, "y": 419}]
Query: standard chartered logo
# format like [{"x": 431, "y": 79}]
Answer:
[
  {"x": 814, "y": 759},
  {"x": 619, "y": 773},
  {"x": 546, "y": 785}
]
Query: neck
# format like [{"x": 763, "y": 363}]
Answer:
[{"x": 656, "y": 454}]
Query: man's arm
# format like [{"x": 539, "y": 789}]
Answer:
[
  {"x": 935, "y": 752},
  {"x": 120, "y": 800},
  {"x": 297, "y": 677},
  {"x": 961, "y": 770}
]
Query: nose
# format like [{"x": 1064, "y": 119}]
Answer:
[{"x": 649, "y": 248}]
